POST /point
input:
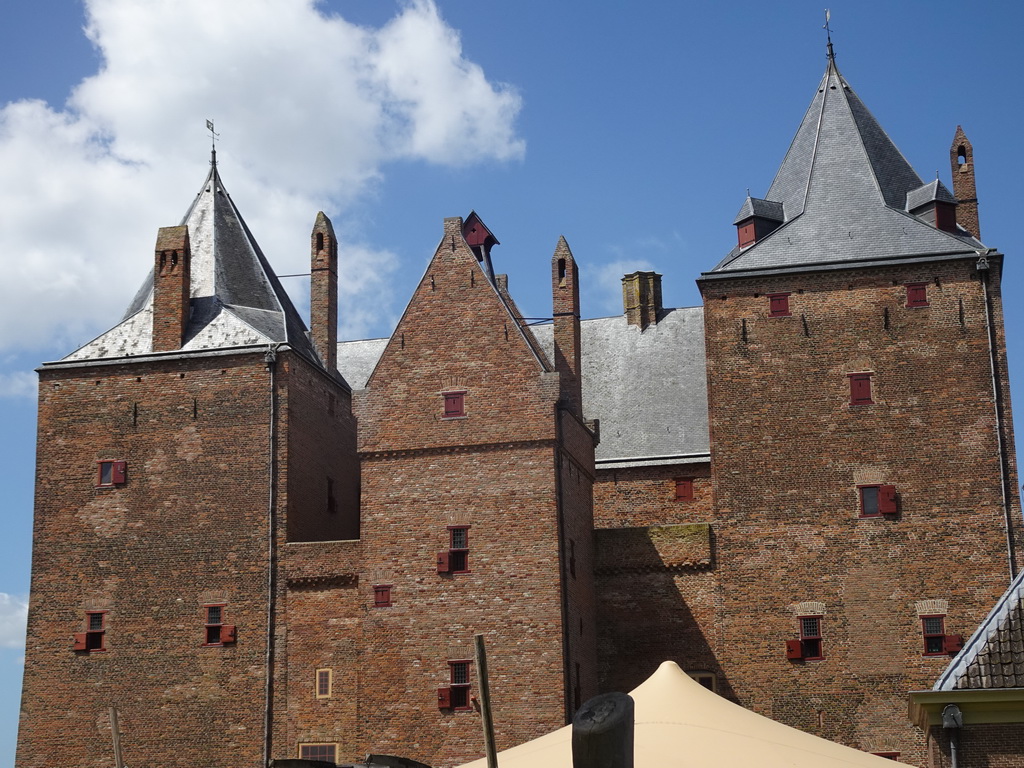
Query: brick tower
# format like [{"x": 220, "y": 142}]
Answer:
[
  {"x": 176, "y": 452},
  {"x": 861, "y": 455}
]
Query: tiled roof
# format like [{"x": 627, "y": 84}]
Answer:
[
  {"x": 843, "y": 186},
  {"x": 236, "y": 298},
  {"x": 993, "y": 657}
]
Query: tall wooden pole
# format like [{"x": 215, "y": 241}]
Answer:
[
  {"x": 115, "y": 734},
  {"x": 485, "y": 701}
]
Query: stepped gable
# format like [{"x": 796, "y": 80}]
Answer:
[
  {"x": 993, "y": 657},
  {"x": 842, "y": 188},
  {"x": 236, "y": 299}
]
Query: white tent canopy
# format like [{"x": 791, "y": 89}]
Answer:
[{"x": 681, "y": 724}]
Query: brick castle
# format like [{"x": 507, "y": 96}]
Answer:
[{"x": 254, "y": 542}]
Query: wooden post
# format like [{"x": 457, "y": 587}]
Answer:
[
  {"x": 115, "y": 734},
  {"x": 602, "y": 732},
  {"x": 485, "y": 701}
]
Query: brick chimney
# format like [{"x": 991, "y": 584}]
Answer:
[
  {"x": 565, "y": 290},
  {"x": 641, "y": 296},
  {"x": 172, "y": 287},
  {"x": 323, "y": 291},
  {"x": 961, "y": 161}
]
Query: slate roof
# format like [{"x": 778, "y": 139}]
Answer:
[
  {"x": 934, "y": 190},
  {"x": 993, "y": 657},
  {"x": 767, "y": 209},
  {"x": 843, "y": 187},
  {"x": 236, "y": 298},
  {"x": 648, "y": 389}
]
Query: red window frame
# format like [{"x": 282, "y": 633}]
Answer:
[
  {"x": 93, "y": 639},
  {"x": 324, "y": 683},
  {"x": 454, "y": 405},
  {"x": 917, "y": 295},
  {"x": 215, "y": 632},
  {"x": 319, "y": 751},
  {"x": 933, "y": 630},
  {"x": 458, "y": 676},
  {"x": 860, "y": 388},
  {"x": 811, "y": 641},
  {"x": 778, "y": 305},
  {"x": 381, "y": 595},
  {"x": 684, "y": 489},
  {"x": 110, "y": 473},
  {"x": 458, "y": 549},
  {"x": 877, "y": 500}
]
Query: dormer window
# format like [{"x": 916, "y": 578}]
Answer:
[{"x": 757, "y": 219}]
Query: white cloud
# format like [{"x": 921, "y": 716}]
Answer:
[
  {"x": 311, "y": 109},
  {"x": 13, "y": 614},
  {"x": 18, "y": 384}
]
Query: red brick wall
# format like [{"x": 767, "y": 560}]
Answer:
[
  {"x": 324, "y": 615},
  {"x": 989, "y": 745},
  {"x": 321, "y": 446},
  {"x": 189, "y": 527},
  {"x": 636, "y": 496},
  {"x": 788, "y": 451},
  {"x": 576, "y": 463}
]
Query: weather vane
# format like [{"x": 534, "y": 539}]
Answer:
[
  {"x": 213, "y": 141},
  {"x": 828, "y": 33}
]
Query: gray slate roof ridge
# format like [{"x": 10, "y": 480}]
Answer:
[{"x": 986, "y": 632}]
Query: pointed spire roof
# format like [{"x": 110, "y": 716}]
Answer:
[
  {"x": 236, "y": 299},
  {"x": 843, "y": 189}
]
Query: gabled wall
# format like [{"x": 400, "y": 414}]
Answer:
[{"x": 497, "y": 469}]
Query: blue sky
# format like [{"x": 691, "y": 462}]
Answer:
[{"x": 633, "y": 129}]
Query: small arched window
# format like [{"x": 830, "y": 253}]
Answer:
[
  {"x": 319, "y": 241},
  {"x": 961, "y": 155}
]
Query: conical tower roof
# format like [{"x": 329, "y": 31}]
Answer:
[
  {"x": 842, "y": 188},
  {"x": 236, "y": 299}
]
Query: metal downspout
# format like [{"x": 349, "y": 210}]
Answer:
[
  {"x": 268, "y": 710},
  {"x": 997, "y": 395}
]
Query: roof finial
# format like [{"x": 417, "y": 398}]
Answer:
[
  {"x": 828, "y": 34},
  {"x": 213, "y": 143}
]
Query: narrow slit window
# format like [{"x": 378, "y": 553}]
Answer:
[{"x": 324, "y": 682}]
